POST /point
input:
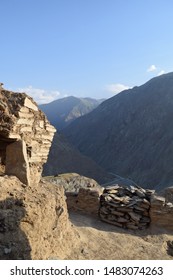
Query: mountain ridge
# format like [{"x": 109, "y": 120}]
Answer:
[
  {"x": 129, "y": 133},
  {"x": 62, "y": 112}
]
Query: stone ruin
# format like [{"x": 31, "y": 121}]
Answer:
[
  {"x": 25, "y": 137},
  {"x": 125, "y": 206},
  {"x": 133, "y": 207}
]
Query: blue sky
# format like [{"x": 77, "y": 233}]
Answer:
[{"x": 55, "y": 48}]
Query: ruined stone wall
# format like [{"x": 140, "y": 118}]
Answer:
[
  {"x": 125, "y": 206},
  {"x": 25, "y": 136},
  {"x": 136, "y": 208},
  {"x": 161, "y": 212},
  {"x": 85, "y": 200}
]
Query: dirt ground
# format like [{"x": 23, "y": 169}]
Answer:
[{"x": 102, "y": 241}]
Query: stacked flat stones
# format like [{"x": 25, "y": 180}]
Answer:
[{"x": 125, "y": 206}]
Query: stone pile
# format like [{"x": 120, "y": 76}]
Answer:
[
  {"x": 25, "y": 137},
  {"x": 125, "y": 206}
]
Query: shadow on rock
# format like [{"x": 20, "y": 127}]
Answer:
[{"x": 14, "y": 244}]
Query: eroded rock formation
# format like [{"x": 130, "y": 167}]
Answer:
[{"x": 25, "y": 137}]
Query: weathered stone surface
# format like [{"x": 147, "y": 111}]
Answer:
[
  {"x": 157, "y": 201},
  {"x": 135, "y": 208},
  {"x": 161, "y": 213},
  {"x": 17, "y": 162},
  {"x": 168, "y": 194},
  {"x": 83, "y": 193},
  {"x": 125, "y": 206},
  {"x": 34, "y": 222},
  {"x": 88, "y": 200},
  {"x": 20, "y": 119},
  {"x": 29, "y": 104}
]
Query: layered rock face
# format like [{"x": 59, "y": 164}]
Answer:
[{"x": 25, "y": 137}]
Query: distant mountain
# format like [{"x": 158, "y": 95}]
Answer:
[
  {"x": 131, "y": 134},
  {"x": 64, "y": 158},
  {"x": 62, "y": 112}
]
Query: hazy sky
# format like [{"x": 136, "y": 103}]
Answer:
[{"x": 55, "y": 48}]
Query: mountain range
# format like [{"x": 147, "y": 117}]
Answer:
[
  {"x": 62, "y": 112},
  {"x": 131, "y": 133}
]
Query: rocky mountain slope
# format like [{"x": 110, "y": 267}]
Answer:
[
  {"x": 65, "y": 158},
  {"x": 130, "y": 134},
  {"x": 63, "y": 111}
]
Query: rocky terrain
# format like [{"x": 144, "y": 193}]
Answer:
[
  {"x": 130, "y": 135},
  {"x": 62, "y": 112},
  {"x": 72, "y": 182}
]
